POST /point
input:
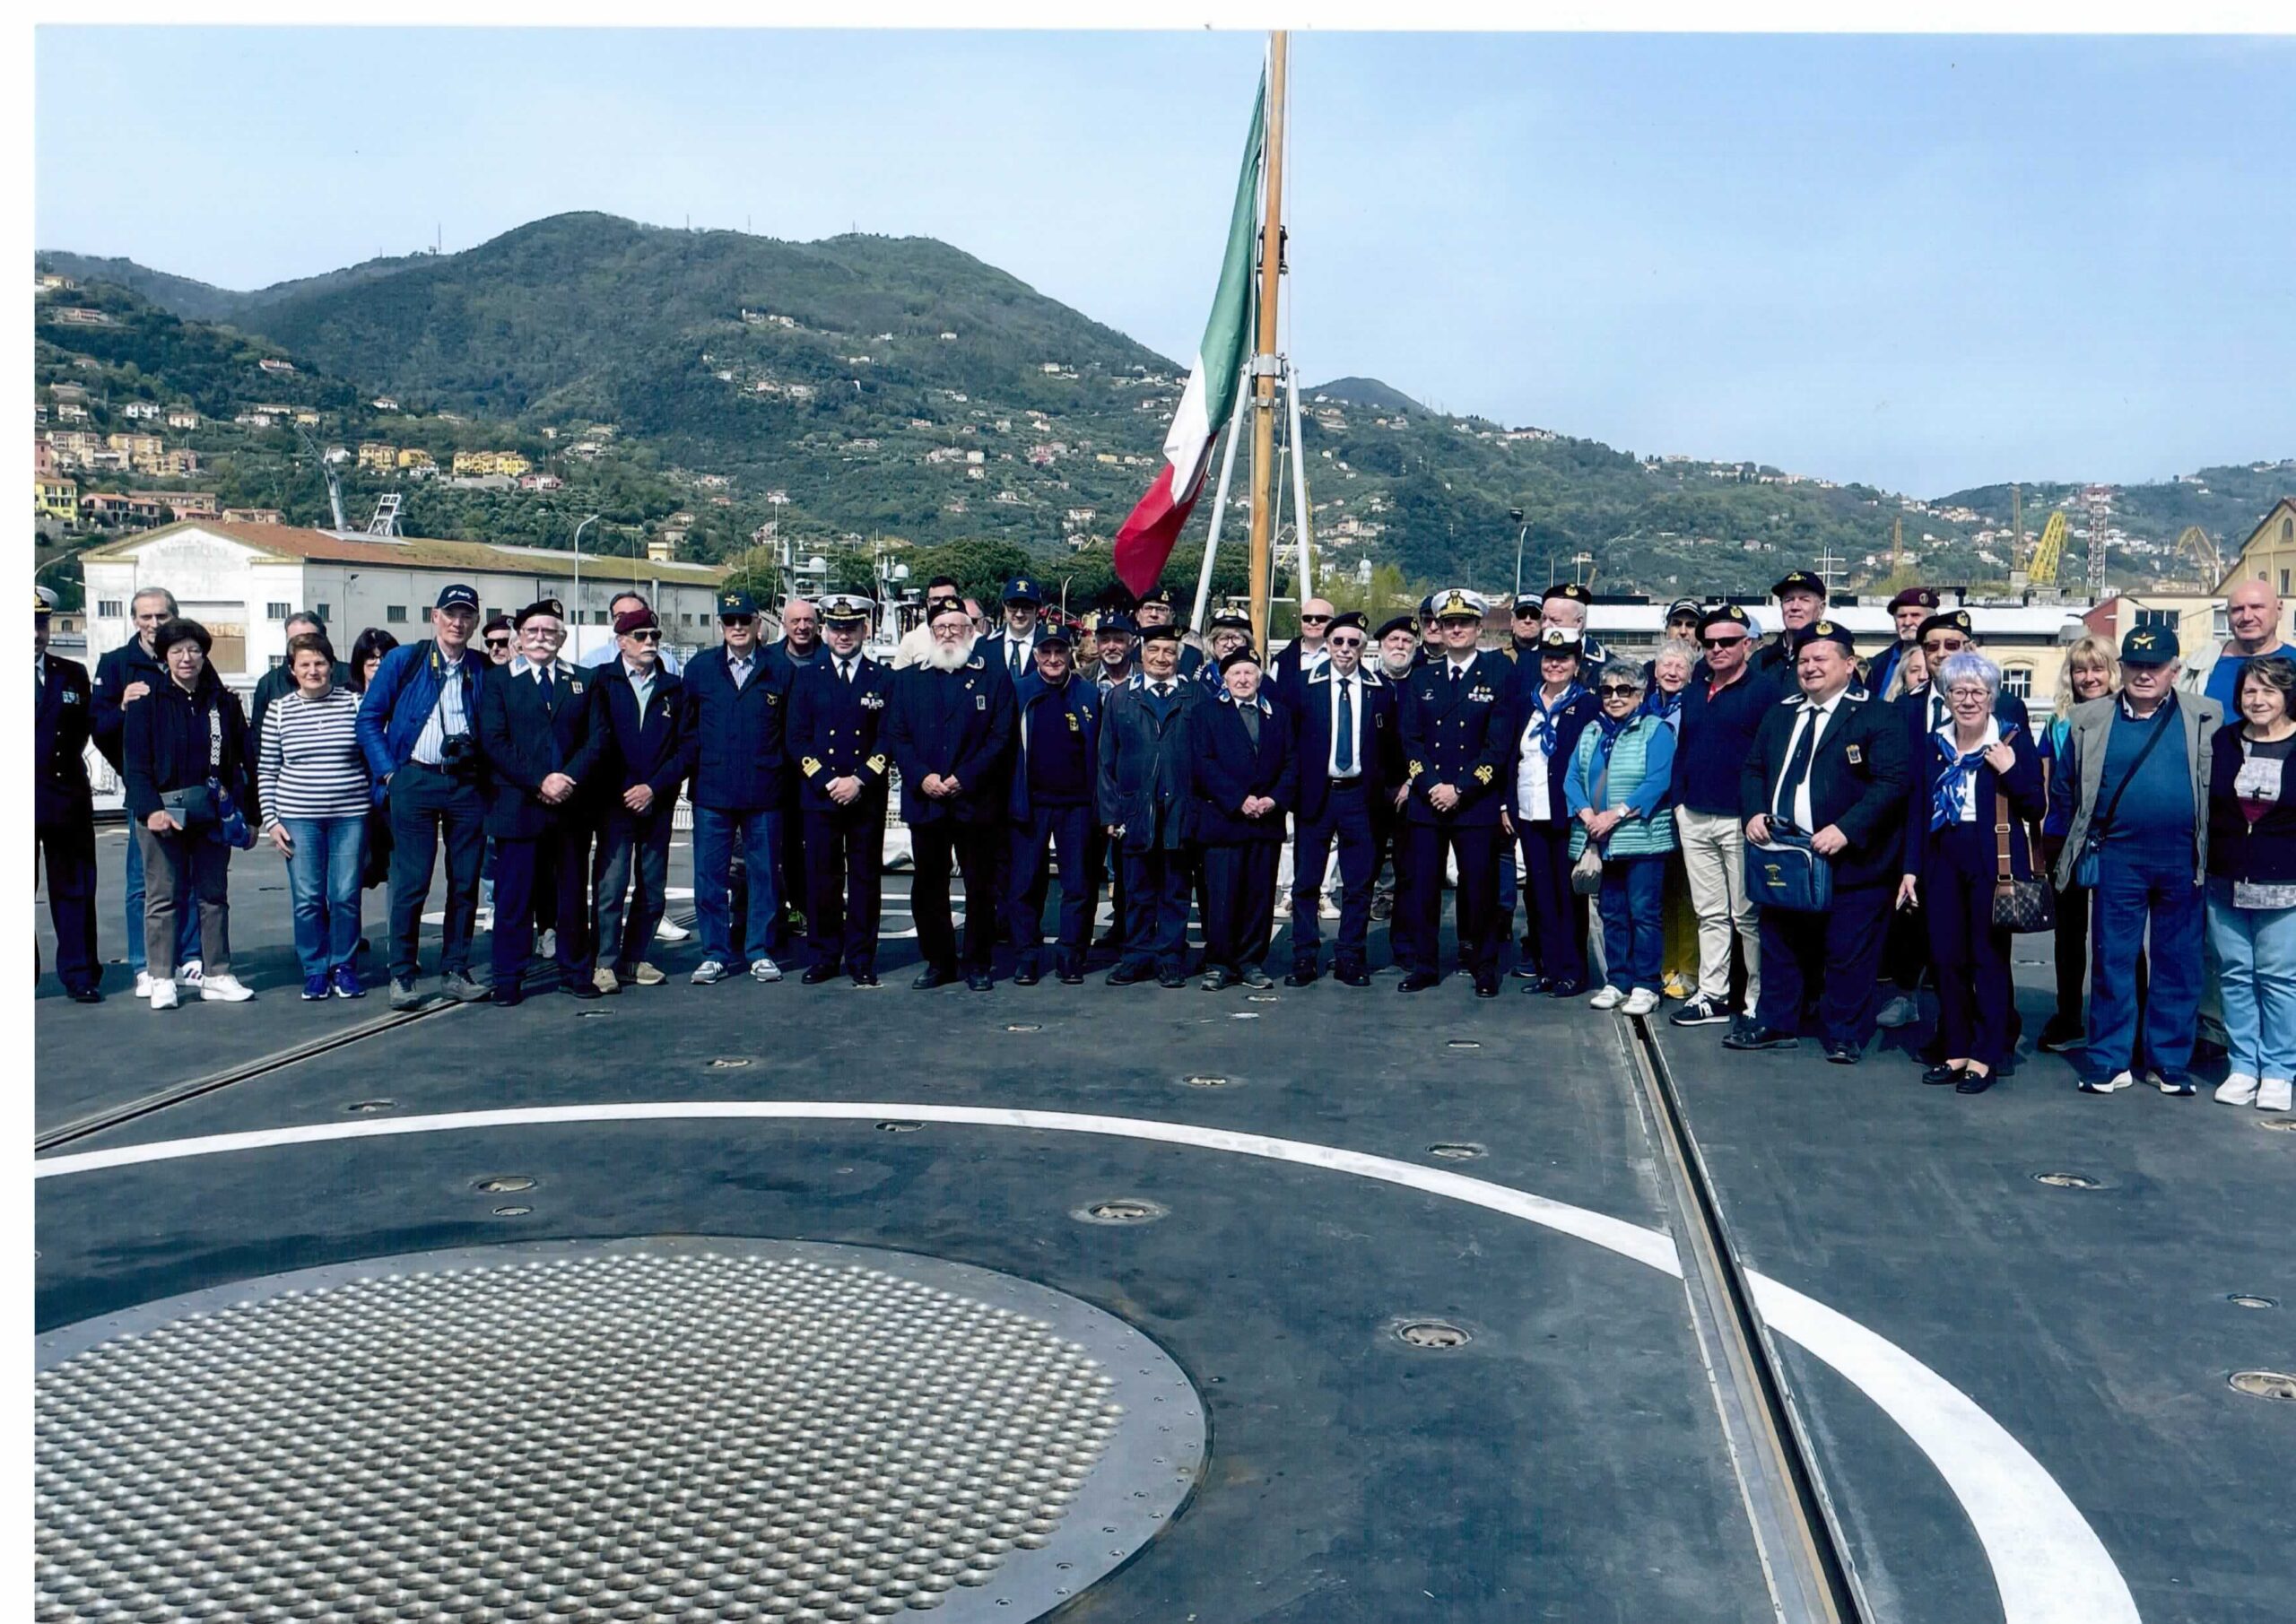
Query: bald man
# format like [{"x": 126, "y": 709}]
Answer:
[
  {"x": 1305, "y": 652},
  {"x": 2252, "y": 611}
]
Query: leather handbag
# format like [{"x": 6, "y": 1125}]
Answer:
[
  {"x": 1587, "y": 873},
  {"x": 1789, "y": 873},
  {"x": 2018, "y": 906}
]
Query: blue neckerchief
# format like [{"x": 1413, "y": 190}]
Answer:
[
  {"x": 1946, "y": 795},
  {"x": 1542, "y": 713},
  {"x": 1608, "y": 729},
  {"x": 1661, "y": 703}
]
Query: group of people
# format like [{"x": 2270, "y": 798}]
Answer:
[{"x": 1778, "y": 835}]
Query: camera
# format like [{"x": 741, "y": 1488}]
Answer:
[{"x": 458, "y": 757}]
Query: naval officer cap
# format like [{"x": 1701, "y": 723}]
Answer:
[
  {"x": 846, "y": 609},
  {"x": 1798, "y": 580},
  {"x": 1570, "y": 590},
  {"x": 42, "y": 607},
  {"x": 1558, "y": 641},
  {"x": 1232, "y": 620},
  {"x": 1458, "y": 603}
]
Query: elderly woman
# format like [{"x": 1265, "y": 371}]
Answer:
[
  {"x": 1536, "y": 813},
  {"x": 2090, "y": 672},
  {"x": 1670, "y": 669},
  {"x": 316, "y": 797},
  {"x": 2252, "y": 885},
  {"x": 1617, "y": 793},
  {"x": 1953, "y": 859},
  {"x": 185, "y": 755}
]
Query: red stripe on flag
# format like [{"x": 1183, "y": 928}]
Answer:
[{"x": 1145, "y": 542}]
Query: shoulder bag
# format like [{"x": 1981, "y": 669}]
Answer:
[
  {"x": 2092, "y": 841},
  {"x": 2018, "y": 906},
  {"x": 1587, "y": 873},
  {"x": 1789, "y": 872}
]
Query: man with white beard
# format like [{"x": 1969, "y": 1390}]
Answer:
[{"x": 950, "y": 726}]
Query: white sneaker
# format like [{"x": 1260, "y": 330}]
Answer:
[
  {"x": 1609, "y": 998},
  {"x": 1642, "y": 1001},
  {"x": 482, "y": 920},
  {"x": 224, "y": 989},
  {"x": 669, "y": 931},
  {"x": 546, "y": 944},
  {"x": 163, "y": 995},
  {"x": 2113, "y": 1084},
  {"x": 1899, "y": 1011},
  {"x": 191, "y": 972},
  {"x": 765, "y": 969},
  {"x": 2239, "y": 1089},
  {"x": 708, "y": 972},
  {"x": 2274, "y": 1094},
  {"x": 144, "y": 984},
  {"x": 1326, "y": 908}
]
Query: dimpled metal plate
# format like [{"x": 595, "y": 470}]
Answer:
[{"x": 571, "y": 1431}]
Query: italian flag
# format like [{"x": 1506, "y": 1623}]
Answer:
[{"x": 1144, "y": 541}]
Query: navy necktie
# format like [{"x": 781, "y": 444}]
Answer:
[
  {"x": 1797, "y": 763},
  {"x": 1345, "y": 758}
]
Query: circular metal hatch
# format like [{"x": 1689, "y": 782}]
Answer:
[{"x": 705, "y": 1428}]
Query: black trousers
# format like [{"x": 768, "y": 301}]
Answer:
[
  {"x": 557, "y": 863},
  {"x": 1554, "y": 913},
  {"x": 944, "y": 848},
  {"x": 1345, "y": 822},
  {"x": 627, "y": 844},
  {"x": 845, "y": 882},
  {"x": 1239, "y": 880},
  {"x": 1155, "y": 907},
  {"x": 1065, "y": 832},
  {"x": 69, "y": 850},
  {"x": 1420, "y": 890},
  {"x": 1970, "y": 957},
  {"x": 426, "y": 804},
  {"x": 1104, "y": 864},
  {"x": 1837, "y": 951},
  {"x": 796, "y": 888}
]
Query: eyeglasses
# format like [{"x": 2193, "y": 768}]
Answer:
[
  {"x": 1719, "y": 642},
  {"x": 1618, "y": 690},
  {"x": 1968, "y": 692},
  {"x": 648, "y": 636},
  {"x": 537, "y": 629}
]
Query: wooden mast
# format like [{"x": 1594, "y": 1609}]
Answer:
[{"x": 1271, "y": 267}]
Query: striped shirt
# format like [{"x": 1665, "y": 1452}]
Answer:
[{"x": 308, "y": 764}]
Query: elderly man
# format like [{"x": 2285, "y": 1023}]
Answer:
[
  {"x": 1141, "y": 800},
  {"x": 2252, "y": 612},
  {"x": 2137, "y": 768},
  {"x": 607, "y": 653},
  {"x": 1908, "y": 610},
  {"x": 1056, "y": 731},
  {"x": 1157, "y": 608},
  {"x": 126, "y": 675},
  {"x": 1833, "y": 765},
  {"x": 1722, "y": 713},
  {"x": 737, "y": 760},
  {"x": 949, "y": 725},
  {"x": 801, "y": 633},
  {"x": 1304, "y": 652},
  {"x": 1350, "y": 760},
  {"x": 642, "y": 714},
  {"x": 1801, "y": 600}
]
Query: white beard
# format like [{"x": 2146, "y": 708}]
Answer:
[
  {"x": 949, "y": 657},
  {"x": 1391, "y": 667}
]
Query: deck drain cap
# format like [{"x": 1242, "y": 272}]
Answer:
[
  {"x": 1461, "y": 1151},
  {"x": 365, "y": 1438},
  {"x": 2245, "y": 1299},
  {"x": 2264, "y": 1384},
  {"x": 504, "y": 1184},
  {"x": 1433, "y": 1334},
  {"x": 1121, "y": 1209},
  {"x": 2068, "y": 1181},
  {"x": 365, "y": 1107}
]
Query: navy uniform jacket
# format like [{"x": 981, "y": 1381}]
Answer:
[
  {"x": 524, "y": 741},
  {"x": 837, "y": 731},
  {"x": 1224, "y": 766},
  {"x": 1284, "y": 670},
  {"x": 1144, "y": 773},
  {"x": 1308, "y": 699},
  {"x": 1461, "y": 733},
  {"x": 648, "y": 750},
  {"x": 995, "y": 649},
  {"x": 1858, "y": 781},
  {"x": 2027, "y": 801},
  {"x": 1081, "y": 698},
  {"x": 736, "y": 744},
  {"x": 116, "y": 672},
  {"x": 63, "y": 722},
  {"x": 953, "y": 723},
  {"x": 2008, "y": 709}
]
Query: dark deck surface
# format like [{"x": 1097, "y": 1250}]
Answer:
[{"x": 1566, "y": 1464}]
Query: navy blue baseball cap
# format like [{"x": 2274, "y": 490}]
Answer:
[
  {"x": 735, "y": 602},
  {"x": 1124, "y": 623},
  {"x": 1020, "y": 589},
  {"x": 456, "y": 596},
  {"x": 2149, "y": 646}
]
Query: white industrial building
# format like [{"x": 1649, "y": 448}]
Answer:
[{"x": 242, "y": 581}]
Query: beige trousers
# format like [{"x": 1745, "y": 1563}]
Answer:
[{"x": 1714, "y": 857}]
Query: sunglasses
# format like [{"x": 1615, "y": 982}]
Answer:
[
  {"x": 1719, "y": 642},
  {"x": 1934, "y": 649},
  {"x": 1618, "y": 690},
  {"x": 1346, "y": 642},
  {"x": 498, "y": 642},
  {"x": 644, "y": 637},
  {"x": 737, "y": 620},
  {"x": 1315, "y": 620}
]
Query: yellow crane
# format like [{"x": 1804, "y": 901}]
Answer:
[
  {"x": 2046, "y": 552},
  {"x": 2195, "y": 543}
]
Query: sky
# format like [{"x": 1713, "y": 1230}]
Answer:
[{"x": 1926, "y": 263}]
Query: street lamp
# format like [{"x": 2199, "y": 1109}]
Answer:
[
  {"x": 1516, "y": 514},
  {"x": 577, "y": 649}
]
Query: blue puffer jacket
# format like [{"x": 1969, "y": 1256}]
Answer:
[{"x": 400, "y": 700}]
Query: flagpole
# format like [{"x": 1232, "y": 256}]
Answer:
[
  {"x": 1264, "y": 363},
  {"x": 1219, "y": 511}
]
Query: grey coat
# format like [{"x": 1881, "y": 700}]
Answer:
[{"x": 2090, "y": 730}]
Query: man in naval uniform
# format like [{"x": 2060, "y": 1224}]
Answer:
[
  {"x": 837, "y": 713},
  {"x": 1459, "y": 741},
  {"x": 1115, "y": 651},
  {"x": 1158, "y": 609},
  {"x": 1056, "y": 734},
  {"x": 1832, "y": 763},
  {"x": 64, "y": 809},
  {"x": 1350, "y": 757},
  {"x": 1141, "y": 800},
  {"x": 1011, "y": 648},
  {"x": 950, "y": 726}
]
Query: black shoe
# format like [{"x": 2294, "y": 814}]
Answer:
[
  {"x": 1844, "y": 1054},
  {"x": 817, "y": 974},
  {"x": 1525, "y": 971},
  {"x": 1418, "y": 981},
  {"x": 1071, "y": 974},
  {"x": 1171, "y": 979},
  {"x": 510, "y": 996},
  {"x": 1255, "y": 977},
  {"x": 1303, "y": 973},
  {"x": 1351, "y": 975},
  {"x": 1486, "y": 984},
  {"x": 1974, "y": 1083},
  {"x": 579, "y": 986},
  {"x": 980, "y": 981},
  {"x": 1938, "y": 1076},
  {"x": 865, "y": 978},
  {"x": 1699, "y": 1011},
  {"x": 86, "y": 995},
  {"x": 1218, "y": 979},
  {"x": 1761, "y": 1037},
  {"x": 1565, "y": 989},
  {"x": 1127, "y": 973},
  {"x": 1027, "y": 973},
  {"x": 931, "y": 976}
]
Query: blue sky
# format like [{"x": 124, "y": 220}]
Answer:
[{"x": 1924, "y": 261}]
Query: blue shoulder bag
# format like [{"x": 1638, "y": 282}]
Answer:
[{"x": 1789, "y": 872}]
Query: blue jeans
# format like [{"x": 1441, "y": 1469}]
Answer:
[
  {"x": 2135, "y": 890},
  {"x": 323, "y": 875},
  {"x": 1633, "y": 925},
  {"x": 715, "y": 831},
  {"x": 2256, "y": 955},
  {"x": 186, "y": 919}
]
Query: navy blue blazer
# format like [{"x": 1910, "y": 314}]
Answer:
[
  {"x": 648, "y": 750},
  {"x": 1461, "y": 733},
  {"x": 1224, "y": 766},
  {"x": 837, "y": 731},
  {"x": 1569, "y": 720},
  {"x": 1080, "y": 697},
  {"x": 736, "y": 742},
  {"x": 1308, "y": 699},
  {"x": 956, "y": 724},
  {"x": 524, "y": 739},
  {"x": 2027, "y": 801},
  {"x": 63, "y": 722},
  {"x": 1858, "y": 775},
  {"x": 1144, "y": 772}
]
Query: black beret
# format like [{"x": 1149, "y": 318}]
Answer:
[
  {"x": 551, "y": 607},
  {"x": 1827, "y": 631},
  {"x": 1348, "y": 617},
  {"x": 1726, "y": 614},
  {"x": 1402, "y": 622},
  {"x": 1798, "y": 580},
  {"x": 500, "y": 622},
  {"x": 1245, "y": 656},
  {"x": 1164, "y": 632},
  {"x": 1952, "y": 620},
  {"x": 1571, "y": 590},
  {"x": 1158, "y": 595}
]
